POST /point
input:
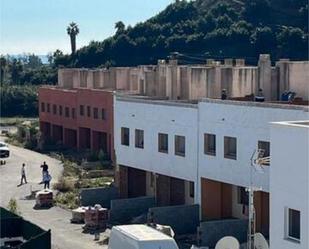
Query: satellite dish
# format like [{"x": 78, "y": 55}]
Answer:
[
  {"x": 227, "y": 242},
  {"x": 260, "y": 241},
  {"x": 257, "y": 160}
]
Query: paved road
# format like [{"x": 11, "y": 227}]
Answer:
[{"x": 64, "y": 234}]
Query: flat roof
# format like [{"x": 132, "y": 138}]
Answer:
[
  {"x": 142, "y": 232},
  {"x": 299, "y": 124}
]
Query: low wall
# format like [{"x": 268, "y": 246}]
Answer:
[
  {"x": 210, "y": 232},
  {"x": 183, "y": 219},
  {"x": 102, "y": 196},
  {"x": 124, "y": 210}
]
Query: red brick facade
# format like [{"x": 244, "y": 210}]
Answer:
[{"x": 79, "y": 118}]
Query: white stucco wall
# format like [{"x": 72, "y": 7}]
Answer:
[
  {"x": 249, "y": 123},
  {"x": 289, "y": 182},
  {"x": 154, "y": 119}
]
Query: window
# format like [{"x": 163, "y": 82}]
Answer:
[
  {"x": 265, "y": 146},
  {"x": 95, "y": 113},
  {"x": 210, "y": 144},
  {"x": 81, "y": 110},
  {"x": 139, "y": 138},
  {"x": 42, "y": 107},
  {"x": 191, "y": 189},
  {"x": 125, "y": 136},
  {"x": 242, "y": 196},
  {"x": 180, "y": 145},
  {"x": 73, "y": 113},
  {"x": 293, "y": 224},
  {"x": 54, "y": 109},
  {"x": 230, "y": 147},
  {"x": 60, "y": 110},
  {"x": 88, "y": 111},
  {"x": 163, "y": 143},
  {"x": 103, "y": 114},
  {"x": 67, "y": 112},
  {"x": 48, "y": 107}
]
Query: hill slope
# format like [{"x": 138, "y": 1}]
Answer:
[{"x": 204, "y": 29}]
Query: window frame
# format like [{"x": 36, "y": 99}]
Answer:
[
  {"x": 177, "y": 145},
  {"x": 95, "y": 113},
  {"x": 42, "y": 107},
  {"x": 228, "y": 154},
  {"x": 88, "y": 111},
  {"x": 60, "y": 110},
  {"x": 67, "y": 112},
  {"x": 122, "y": 133},
  {"x": 287, "y": 225},
  {"x": 81, "y": 110},
  {"x": 103, "y": 114},
  {"x": 139, "y": 132},
  {"x": 160, "y": 149},
  {"x": 207, "y": 151},
  {"x": 54, "y": 109}
]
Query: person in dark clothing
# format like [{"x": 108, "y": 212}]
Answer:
[
  {"x": 223, "y": 94},
  {"x": 260, "y": 96},
  {"x": 23, "y": 175},
  {"x": 44, "y": 167}
]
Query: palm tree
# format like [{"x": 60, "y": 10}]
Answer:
[
  {"x": 120, "y": 27},
  {"x": 73, "y": 31}
]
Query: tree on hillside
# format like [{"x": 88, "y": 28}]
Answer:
[
  {"x": 120, "y": 27},
  {"x": 73, "y": 31},
  {"x": 15, "y": 69},
  {"x": 2, "y": 68}
]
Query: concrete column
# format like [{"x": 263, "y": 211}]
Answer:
[
  {"x": 264, "y": 75},
  {"x": 282, "y": 67}
]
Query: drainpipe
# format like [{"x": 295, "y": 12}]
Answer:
[{"x": 198, "y": 187}]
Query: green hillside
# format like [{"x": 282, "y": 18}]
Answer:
[{"x": 204, "y": 29}]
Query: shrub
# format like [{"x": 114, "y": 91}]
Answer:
[
  {"x": 64, "y": 184},
  {"x": 13, "y": 207}
]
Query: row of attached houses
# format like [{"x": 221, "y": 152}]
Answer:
[{"x": 186, "y": 152}]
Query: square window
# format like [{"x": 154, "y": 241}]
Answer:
[
  {"x": 95, "y": 113},
  {"x": 293, "y": 224},
  {"x": 125, "y": 136},
  {"x": 54, "y": 109},
  {"x": 48, "y": 107},
  {"x": 103, "y": 114},
  {"x": 88, "y": 111},
  {"x": 73, "y": 113},
  {"x": 139, "y": 138},
  {"x": 67, "y": 112},
  {"x": 265, "y": 147},
  {"x": 210, "y": 144},
  {"x": 180, "y": 145},
  {"x": 163, "y": 143},
  {"x": 230, "y": 148},
  {"x": 60, "y": 110},
  {"x": 81, "y": 110},
  {"x": 42, "y": 107}
]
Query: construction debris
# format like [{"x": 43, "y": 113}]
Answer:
[
  {"x": 44, "y": 198},
  {"x": 78, "y": 215},
  {"x": 95, "y": 218}
]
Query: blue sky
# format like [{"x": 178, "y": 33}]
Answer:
[{"x": 39, "y": 26}]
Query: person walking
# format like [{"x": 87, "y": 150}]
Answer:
[{"x": 23, "y": 175}]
